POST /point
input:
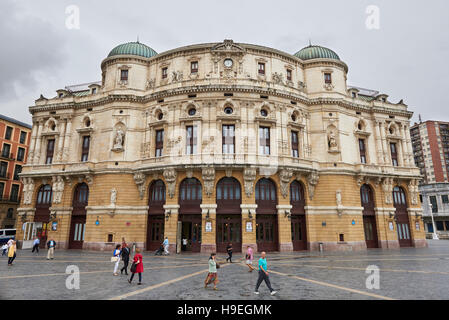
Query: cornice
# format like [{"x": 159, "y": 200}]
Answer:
[{"x": 222, "y": 89}]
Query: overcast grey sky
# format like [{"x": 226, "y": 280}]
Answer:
[{"x": 406, "y": 58}]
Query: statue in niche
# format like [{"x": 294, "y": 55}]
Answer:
[
  {"x": 118, "y": 140},
  {"x": 332, "y": 141}
]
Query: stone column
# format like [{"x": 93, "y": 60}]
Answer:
[
  {"x": 404, "y": 147},
  {"x": 249, "y": 217},
  {"x": 284, "y": 227},
  {"x": 37, "y": 150},
  {"x": 386, "y": 152},
  {"x": 30, "y": 157},
  {"x": 68, "y": 134},
  {"x": 409, "y": 146},
  {"x": 171, "y": 226},
  {"x": 61, "y": 142},
  {"x": 380, "y": 151},
  {"x": 208, "y": 239}
]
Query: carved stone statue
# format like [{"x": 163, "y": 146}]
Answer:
[
  {"x": 249, "y": 176},
  {"x": 28, "y": 188},
  {"x": 113, "y": 197},
  {"x": 285, "y": 175},
  {"x": 118, "y": 141},
  {"x": 332, "y": 142},
  {"x": 58, "y": 189},
  {"x": 208, "y": 178},
  {"x": 139, "y": 179},
  {"x": 170, "y": 179}
]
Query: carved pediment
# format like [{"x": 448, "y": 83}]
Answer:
[{"x": 228, "y": 46}]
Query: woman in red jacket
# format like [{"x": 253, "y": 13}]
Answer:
[{"x": 139, "y": 266}]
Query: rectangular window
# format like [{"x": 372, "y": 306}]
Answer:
[
  {"x": 85, "y": 149},
  {"x": 362, "y": 150},
  {"x": 20, "y": 154},
  {"x": 159, "y": 142},
  {"x": 164, "y": 73},
  {"x": 261, "y": 68},
  {"x": 228, "y": 139},
  {"x": 445, "y": 198},
  {"x": 3, "y": 169},
  {"x": 295, "y": 149},
  {"x": 14, "y": 192},
  {"x": 17, "y": 171},
  {"x": 8, "y": 133},
  {"x": 191, "y": 139},
  {"x": 6, "y": 150},
  {"x": 433, "y": 201},
  {"x": 194, "y": 67},
  {"x": 23, "y": 137},
  {"x": 50, "y": 151},
  {"x": 94, "y": 90},
  {"x": 124, "y": 75},
  {"x": 264, "y": 140},
  {"x": 2, "y": 188},
  {"x": 394, "y": 154},
  {"x": 439, "y": 225},
  {"x": 327, "y": 78},
  {"x": 289, "y": 75}
]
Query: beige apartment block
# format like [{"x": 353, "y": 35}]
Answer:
[{"x": 221, "y": 143}]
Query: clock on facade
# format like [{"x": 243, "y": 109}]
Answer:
[{"x": 228, "y": 63}]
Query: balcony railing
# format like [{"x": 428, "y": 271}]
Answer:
[
  {"x": 10, "y": 199},
  {"x": 6, "y": 155}
]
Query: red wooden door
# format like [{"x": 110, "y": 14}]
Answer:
[
  {"x": 402, "y": 220},
  {"x": 369, "y": 217},
  {"x": 299, "y": 232},
  {"x": 266, "y": 232},
  {"x": 229, "y": 230},
  {"x": 78, "y": 222},
  {"x": 155, "y": 234}
]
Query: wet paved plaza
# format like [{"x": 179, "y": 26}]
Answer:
[{"x": 404, "y": 274}]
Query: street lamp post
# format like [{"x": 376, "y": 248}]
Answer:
[{"x": 434, "y": 234}]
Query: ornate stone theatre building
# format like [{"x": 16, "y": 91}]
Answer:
[{"x": 221, "y": 142}]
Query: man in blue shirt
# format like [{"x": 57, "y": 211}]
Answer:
[
  {"x": 263, "y": 275},
  {"x": 165, "y": 244},
  {"x": 36, "y": 245}
]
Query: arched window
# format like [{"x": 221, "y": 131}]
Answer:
[
  {"x": 297, "y": 199},
  {"x": 157, "y": 192},
  {"x": 366, "y": 195},
  {"x": 45, "y": 195},
  {"x": 228, "y": 189},
  {"x": 81, "y": 197},
  {"x": 265, "y": 190},
  {"x": 190, "y": 190},
  {"x": 399, "y": 197}
]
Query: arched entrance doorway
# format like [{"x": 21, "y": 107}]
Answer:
[
  {"x": 190, "y": 198},
  {"x": 402, "y": 221},
  {"x": 266, "y": 216},
  {"x": 298, "y": 216},
  {"x": 369, "y": 216},
  {"x": 42, "y": 214},
  {"x": 78, "y": 222},
  {"x": 155, "y": 225},
  {"x": 229, "y": 217}
]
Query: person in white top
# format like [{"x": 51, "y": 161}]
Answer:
[
  {"x": 116, "y": 254},
  {"x": 165, "y": 244}
]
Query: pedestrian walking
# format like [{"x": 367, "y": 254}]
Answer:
[
  {"x": 4, "y": 250},
  {"x": 229, "y": 251},
  {"x": 263, "y": 275},
  {"x": 212, "y": 275},
  {"x": 249, "y": 259},
  {"x": 12, "y": 253},
  {"x": 137, "y": 266},
  {"x": 51, "y": 245},
  {"x": 125, "y": 257},
  {"x": 36, "y": 243},
  {"x": 165, "y": 244},
  {"x": 116, "y": 258}
]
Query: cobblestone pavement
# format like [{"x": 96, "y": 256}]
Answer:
[{"x": 404, "y": 274}]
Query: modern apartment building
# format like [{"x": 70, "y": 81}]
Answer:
[
  {"x": 430, "y": 140},
  {"x": 14, "y": 142}
]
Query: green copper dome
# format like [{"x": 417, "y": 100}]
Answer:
[
  {"x": 316, "y": 52},
  {"x": 133, "y": 48}
]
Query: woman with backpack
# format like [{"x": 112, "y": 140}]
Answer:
[
  {"x": 212, "y": 275},
  {"x": 137, "y": 266},
  {"x": 116, "y": 258}
]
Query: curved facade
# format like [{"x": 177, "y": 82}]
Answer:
[{"x": 222, "y": 142}]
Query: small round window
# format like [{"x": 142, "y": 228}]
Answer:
[
  {"x": 192, "y": 112},
  {"x": 263, "y": 113},
  {"x": 228, "y": 110},
  {"x": 160, "y": 116}
]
